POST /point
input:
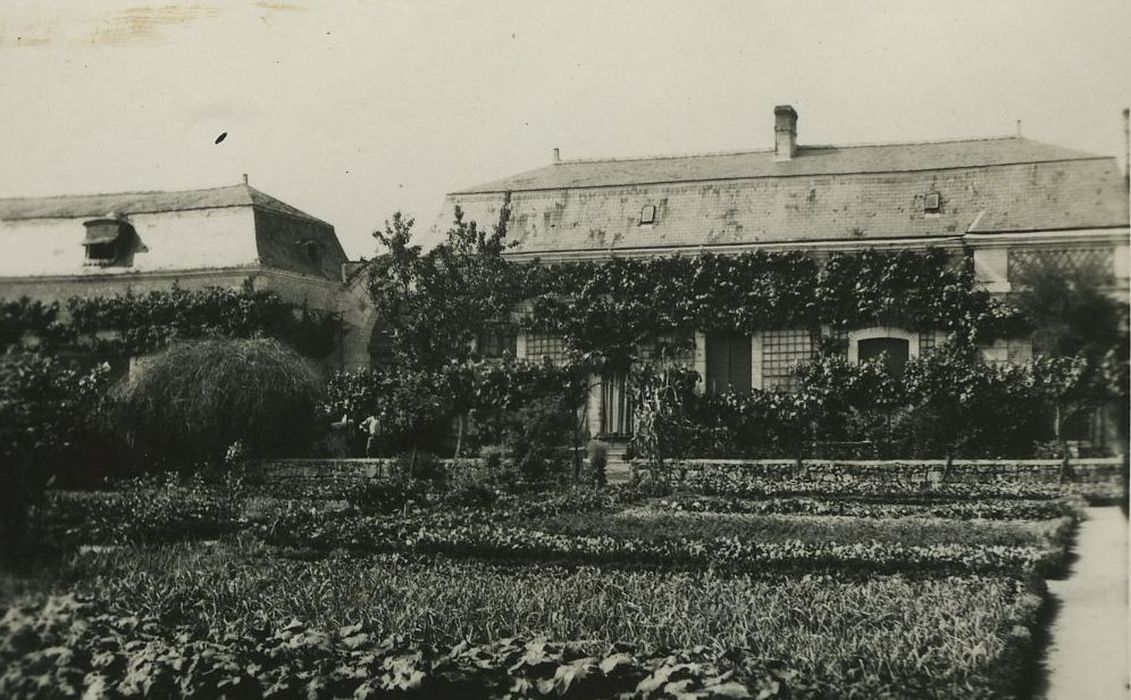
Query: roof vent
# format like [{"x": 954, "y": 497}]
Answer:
[{"x": 785, "y": 132}]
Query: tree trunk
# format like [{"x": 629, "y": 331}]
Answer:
[
  {"x": 459, "y": 435},
  {"x": 576, "y": 454},
  {"x": 1061, "y": 443}
]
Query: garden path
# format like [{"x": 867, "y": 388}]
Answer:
[{"x": 1088, "y": 654}]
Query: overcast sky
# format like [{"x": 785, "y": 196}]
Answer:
[{"x": 351, "y": 111}]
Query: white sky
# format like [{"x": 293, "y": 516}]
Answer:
[{"x": 351, "y": 111}]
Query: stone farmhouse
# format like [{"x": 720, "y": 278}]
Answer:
[
  {"x": 105, "y": 244},
  {"x": 997, "y": 201}
]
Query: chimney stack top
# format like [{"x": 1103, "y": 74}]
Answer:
[
  {"x": 785, "y": 132},
  {"x": 557, "y": 155}
]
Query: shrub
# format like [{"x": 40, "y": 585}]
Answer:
[
  {"x": 535, "y": 435},
  {"x": 189, "y": 403},
  {"x": 420, "y": 465},
  {"x": 495, "y": 467},
  {"x": 598, "y": 453},
  {"x": 48, "y": 411}
]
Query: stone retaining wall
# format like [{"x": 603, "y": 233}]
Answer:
[
  {"x": 321, "y": 469},
  {"x": 917, "y": 473}
]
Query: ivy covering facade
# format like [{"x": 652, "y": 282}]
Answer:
[
  {"x": 605, "y": 311},
  {"x": 136, "y": 324}
]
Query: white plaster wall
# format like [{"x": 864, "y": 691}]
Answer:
[
  {"x": 701, "y": 361},
  {"x": 185, "y": 240},
  {"x": 991, "y": 269},
  {"x": 756, "y": 356}
]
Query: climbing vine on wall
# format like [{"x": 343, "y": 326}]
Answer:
[
  {"x": 604, "y": 310},
  {"x": 24, "y": 317},
  {"x": 136, "y": 324}
]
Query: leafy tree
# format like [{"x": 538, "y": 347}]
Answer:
[
  {"x": 436, "y": 302},
  {"x": 1068, "y": 310},
  {"x": 945, "y": 385},
  {"x": 838, "y": 395},
  {"x": 508, "y": 402},
  {"x": 1074, "y": 386},
  {"x": 1083, "y": 329}
]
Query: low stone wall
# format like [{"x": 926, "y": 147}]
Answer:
[
  {"x": 321, "y": 469},
  {"x": 913, "y": 473}
]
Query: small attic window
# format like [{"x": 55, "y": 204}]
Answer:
[
  {"x": 106, "y": 240},
  {"x": 932, "y": 202},
  {"x": 648, "y": 214}
]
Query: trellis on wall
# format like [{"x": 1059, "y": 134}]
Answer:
[{"x": 1098, "y": 262}]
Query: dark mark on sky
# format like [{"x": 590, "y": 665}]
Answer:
[{"x": 221, "y": 137}]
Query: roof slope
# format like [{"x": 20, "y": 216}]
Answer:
[
  {"x": 824, "y": 194},
  {"x": 810, "y": 160},
  {"x": 76, "y": 206},
  {"x": 219, "y": 228}
]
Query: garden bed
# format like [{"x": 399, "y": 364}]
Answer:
[
  {"x": 385, "y": 588},
  {"x": 401, "y": 623}
]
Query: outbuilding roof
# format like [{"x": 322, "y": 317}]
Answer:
[
  {"x": 208, "y": 229},
  {"x": 76, "y": 206}
]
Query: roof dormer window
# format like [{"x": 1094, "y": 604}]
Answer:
[
  {"x": 648, "y": 214},
  {"x": 107, "y": 240},
  {"x": 932, "y": 203}
]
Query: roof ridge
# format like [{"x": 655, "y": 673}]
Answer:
[
  {"x": 125, "y": 193},
  {"x": 276, "y": 204},
  {"x": 802, "y": 147},
  {"x": 666, "y": 156}
]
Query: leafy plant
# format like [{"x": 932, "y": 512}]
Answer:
[
  {"x": 598, "y": 453},
  {"x": 49, "y": 413}
]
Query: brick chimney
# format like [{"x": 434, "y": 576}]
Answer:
[{"x": 785, "y": 132}]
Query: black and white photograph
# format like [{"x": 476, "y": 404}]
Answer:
[{"x": 516, "y": 349}]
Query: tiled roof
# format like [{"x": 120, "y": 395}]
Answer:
[
  {"x": 810, "y": 160},
  {"x": 76, "y": 206}
]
